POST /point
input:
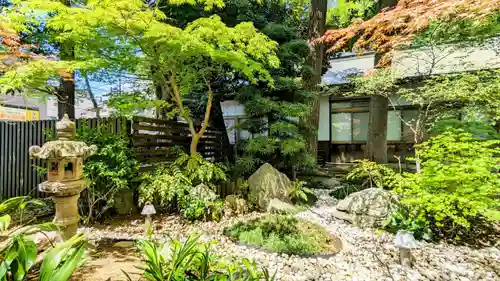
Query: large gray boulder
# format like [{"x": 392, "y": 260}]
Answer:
[
  {"x": 277, "y": 206},
  {"x": 367, "y": 208},
  {"x": 268, "y": 183}
]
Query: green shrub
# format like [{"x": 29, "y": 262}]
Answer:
[
  {"x": 370, "y": 174},
  {"x": 166, "y": 186},
  {"x": 343, "y": 191},
  {"x": 170, "y": 187},
  {"x": 283, "y": 234},
  {"x": 110, "y": 170},
  {"x": 201, "y": 209},
  {"x": 198, "y": 170},
  {"x": 480, "y": 130},
  {"x": 192, "y": 260},
  {"x": 457, "y": 185},
  {"x": 299, "y": 192},
  {"x": 403, "y": 219}
]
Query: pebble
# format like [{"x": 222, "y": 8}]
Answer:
[{"x": 366, "y": 255}]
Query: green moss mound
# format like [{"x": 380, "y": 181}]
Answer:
[{"x": 285, "y": 234}]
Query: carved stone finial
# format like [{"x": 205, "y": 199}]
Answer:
[{"x": 65, "y": 129}]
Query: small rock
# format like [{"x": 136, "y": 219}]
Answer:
[
  {"x": 277, "y": 206},
  {"x": 124, "y": 244}
]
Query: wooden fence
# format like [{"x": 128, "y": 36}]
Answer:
[{"x": 152, "y": 141}]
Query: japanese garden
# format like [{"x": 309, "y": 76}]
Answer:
[{"x": 249, "y": 140}]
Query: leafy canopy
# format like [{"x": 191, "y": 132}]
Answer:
[
  {"x": 131, "y": 36},
  {"x": 399, "y": 26}
]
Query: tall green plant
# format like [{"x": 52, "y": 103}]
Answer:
[
  {"x": 277, "y": 136},
  {"x": 457, "y": 185},
  {"x": 110, "y": 170}
]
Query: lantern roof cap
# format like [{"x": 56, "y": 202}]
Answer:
[
  {"x": 64, "y": 147},
  {"x": 406, "y": 240},
  {"x": 65, "y": 128},
  {"x": 149, "y": 209}
]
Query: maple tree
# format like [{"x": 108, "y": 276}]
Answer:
[
  {"x": 12, "y": 51},
  {"x": 270, "y": 131},
  {"x": 131, "y": 36},
  {"x": 399, "y": 26}
]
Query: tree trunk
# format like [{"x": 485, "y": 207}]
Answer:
[
  {"x": 66, "y": 98},
  {"x": 316, "y": 29},
  {"x": 66, "y": 91},
  {"x": 377, "y": 130},
  {"x": 379, "y": 107},
  {"x": 193, "y": 150},
  {"x": 195, "y": 135},
  {"x": 162, "y": 91},
  {"x": 92, "y": 97}
]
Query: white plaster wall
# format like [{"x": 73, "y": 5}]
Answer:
[
  {"x": 447, "y": 59},
  {"x": 324, "y": 119},
  {"x": 232, "y": 108}
]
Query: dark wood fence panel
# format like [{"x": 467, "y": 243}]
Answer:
[
  {"x": 18, "y": 175},
  {"x": 152, "y": 141}
]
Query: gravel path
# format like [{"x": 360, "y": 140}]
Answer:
[{"x": 366, "y": 255}]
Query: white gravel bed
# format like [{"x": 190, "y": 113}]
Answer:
[{"x": 366, "y": 255}]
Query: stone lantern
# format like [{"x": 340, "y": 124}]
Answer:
[{"x": 65, "y": 173}]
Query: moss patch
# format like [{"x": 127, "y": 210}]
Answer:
[{"x": 285, "y": 234}]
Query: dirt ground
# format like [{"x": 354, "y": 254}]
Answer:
[{"x": 106, "y": 262}]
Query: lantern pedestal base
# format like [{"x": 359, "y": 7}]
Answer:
[
  {"x": 67, "y": 214},
  {"x": 405, "y": 257}
]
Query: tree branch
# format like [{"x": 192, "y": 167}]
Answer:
[
  {"x": 207, "y": 110},
  {"x": 176, "y": 95},
  {"x": 91, "y": 96}
]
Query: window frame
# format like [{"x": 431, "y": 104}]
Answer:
[{"x": 358, "y": 109}]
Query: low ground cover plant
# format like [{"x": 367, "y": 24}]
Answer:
[
  {"x": 193, "y": 260},
  {"x": 284, "y": 234}
]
